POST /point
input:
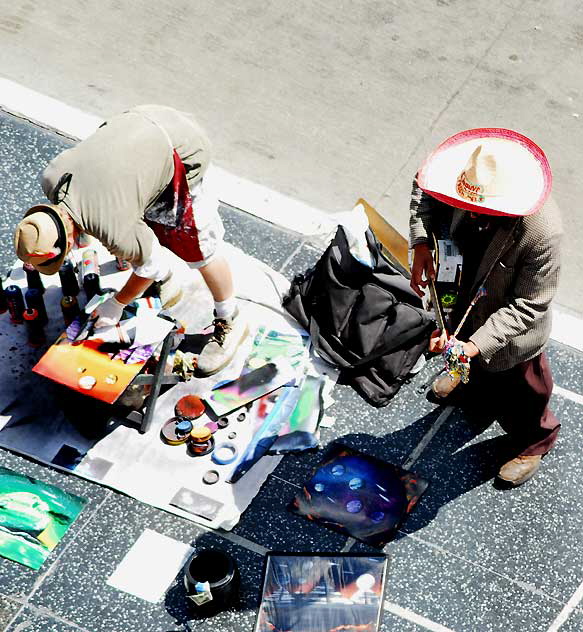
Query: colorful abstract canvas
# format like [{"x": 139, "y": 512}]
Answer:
[
  {"x": 34, "y": 516},
  {"x": 358, "y": 495},
  {"x": 322, "y": 593}
]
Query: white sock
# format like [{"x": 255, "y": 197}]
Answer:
[{"x": 225, "y": 309}]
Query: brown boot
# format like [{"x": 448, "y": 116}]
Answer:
[
  {"x": 444, "y": 385},
  {"x": 519, "y": 470}
]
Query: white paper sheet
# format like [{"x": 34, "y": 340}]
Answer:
[{"x": 150, "y": 566}]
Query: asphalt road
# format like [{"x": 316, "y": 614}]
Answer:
[{"x": 325, "y": 101}]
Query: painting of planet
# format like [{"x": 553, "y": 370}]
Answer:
[{"x": 358, "y": 495}]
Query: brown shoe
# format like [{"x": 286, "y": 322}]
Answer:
[
  {"x": 444, "y": 386},
  {"x": 519, "y": 470}
]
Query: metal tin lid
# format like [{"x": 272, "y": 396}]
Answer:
[
  {"x": 200, "y": 434},
  {"x": 176, "y": 431},
  {"x": 189, "y": 406}
]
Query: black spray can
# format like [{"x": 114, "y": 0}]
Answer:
[
  {"x": 15, "y": 302},
  {"x": 34, "y": 328},
  {"x": 91, "y": 285},
  {"x": 69, "y": 283},
  {"x": 33, "y": 279},
  {"x": 3, "y": 301},
  {"x": 70, "y": 309},
  {"x": 34, "y": 300}
]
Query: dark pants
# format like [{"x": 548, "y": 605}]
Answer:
[{"x": 518, "y": 398}]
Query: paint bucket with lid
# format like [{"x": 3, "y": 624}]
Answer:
[{"x": 212, "y": 581}]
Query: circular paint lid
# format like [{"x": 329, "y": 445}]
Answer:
[
  {"x": 189, "y": 406},
  {"x": 211, "y": 477},
  {"x": 176, "y": 430},
  {"x": 200, "y": 434}
]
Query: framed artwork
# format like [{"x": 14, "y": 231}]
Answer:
[{"x": 322, "y": 592}]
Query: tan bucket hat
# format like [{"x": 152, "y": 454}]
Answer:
[
  {"x": 41, "y": 238},
  {"x": 493, "y": 171}
]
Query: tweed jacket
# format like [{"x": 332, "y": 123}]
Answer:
[{"x": 512, "y": 322}]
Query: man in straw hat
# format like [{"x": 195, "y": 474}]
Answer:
[
  {"x": 492, "y": 187},
  {"x": 136, "y": 185}
]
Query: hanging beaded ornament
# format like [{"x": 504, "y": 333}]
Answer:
[{"x": 457, "y": 363}]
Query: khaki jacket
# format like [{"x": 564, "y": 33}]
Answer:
[
  {"x": 512, "y": 323},
  {"x": 108, "y": 180}
]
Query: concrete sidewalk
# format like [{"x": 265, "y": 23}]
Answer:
[
  {"x": 325, "y": 101},
  {"x": 469, "y": 559}
]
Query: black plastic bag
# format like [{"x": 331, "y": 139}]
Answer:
[{"x": 366, "y": 321}]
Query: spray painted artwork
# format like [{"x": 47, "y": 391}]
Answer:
[
  {"x": 103, "y": 362},
  {"x": 322, "y": 593},
  {"x": 358, "y": 495},
  {"x": 34, "y": 516}
]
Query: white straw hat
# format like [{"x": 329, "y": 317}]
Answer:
[{"x": 488, "y": 170}]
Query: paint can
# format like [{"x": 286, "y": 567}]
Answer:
[
  {"x": 34, "y": 299},
  {"x": 3, "y": 301},
  {"x": 212, "y": 581},
  {"x": 69, "y": 283},
  {"x": 70, "y": 309},
  {"x": 15, "y": 302},
  {"x": 33, "y": 279},
  {"x": 122, "y": 264},
  {"x": 89, "y": 263},
  {"x": 34, "y": 327},
  {"x": 91, "y": 285}
]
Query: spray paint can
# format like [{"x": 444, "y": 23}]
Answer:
[
  {"x": 34, "y": 299},
  {"x": 69, "y": 283},
  {"x": 3, "y": 301},
  {"x": 91, "y": 285},
  {"x": 122, "y": 264},
  {"x": 70, "y": 309},
  {"x": 15, "y": 302},
  {"x": 33, "y": 279},
  {"x": 89, "y": 263},
  {"x": 34, "y": 328}
]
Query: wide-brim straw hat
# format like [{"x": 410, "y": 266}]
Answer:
[
  {"x": 41, "y": 238},
  {"x": 493, "y": 171}
]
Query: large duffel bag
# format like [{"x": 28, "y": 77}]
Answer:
[{"x": 366, "y": 321}]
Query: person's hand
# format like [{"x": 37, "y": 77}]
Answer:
[
  {"x": 422, "y": 269},
  {"x": 470, "y": 349},
  {"x": 108, "y": 313},
  {"x": 438, "y": 340}
]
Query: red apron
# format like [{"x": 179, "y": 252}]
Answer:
[{"x": 178, "y": 231}]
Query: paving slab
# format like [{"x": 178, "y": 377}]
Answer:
[
  {"x": 76, "y": 590},
  {"x": 18, "y": 580},
  {"x": 258, "y": 238},
  {"x": 34, "y": 620},
  {"x": 450, "y": 591},
  {"x": 531, "y": 534},
  {"x": 24, "y": 151}
]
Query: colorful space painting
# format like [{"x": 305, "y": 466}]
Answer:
[
  {"x": 358, "y": 495},
  {"x": 322, "y": 593},
  {"x": 34, "y": 516}
]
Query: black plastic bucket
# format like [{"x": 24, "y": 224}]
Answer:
[{"x": 220, "y": 571}]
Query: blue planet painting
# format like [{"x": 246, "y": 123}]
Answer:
[{"x": 359, "y": 495}]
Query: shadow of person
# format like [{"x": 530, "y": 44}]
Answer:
[{"x": 453, "y": 462}]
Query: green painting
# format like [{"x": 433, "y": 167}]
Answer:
[{"x": 34, "y": 516}]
